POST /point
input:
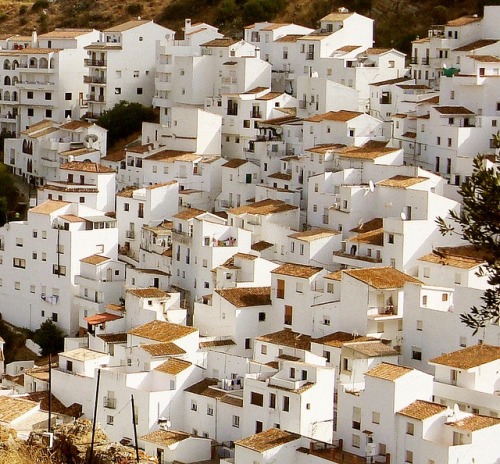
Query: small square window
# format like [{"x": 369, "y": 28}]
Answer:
[
  {"x": 68, "y": 96},
  {"x": 118, "y": 90},
  {"x": 139, "y": 91}
]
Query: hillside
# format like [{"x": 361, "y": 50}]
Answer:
[{"x": 397, "y": 22}]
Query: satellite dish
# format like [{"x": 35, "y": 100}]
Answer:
[
  {"x": 371, "y": 185},
  {"x": 279, "y": 130},
  {"x": 315, "y": 74},
  {"x": 403, "y": 216}
]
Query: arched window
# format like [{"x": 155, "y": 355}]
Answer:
[
  {"x": 6, "y": 64},
  {"x": 43, "y": 64},
  {"x": 6, "y": 81},
  {"x": 15, "y": 64},
  {"x": 33, "y": 63},
  {"x": 14, "y": 96},
  {"x": 15, "y": 80},
  {"x": 52, "y": 63},
  {"x": 6, "y": 96}
]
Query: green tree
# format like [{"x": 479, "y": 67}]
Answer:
[
  {"x": 49, "y": 337},
  {"x": 9, "y": 195},
  {"x": 479, "y": 224},
  {"x": 124, "y": 119}
]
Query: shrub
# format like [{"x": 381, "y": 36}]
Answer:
[
  {"x": 49, "y": 337},
  {"x": 134, "y": 9}
]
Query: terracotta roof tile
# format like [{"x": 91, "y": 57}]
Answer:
[
  {"x": 267, "y": 440},
  {"x": 165, "y": 437},
  {"x": 475, "y": 422},
  {"x": 372, "y": 349},
  {"x": 297, "y": 270},
  {"x": 224, "y": 42},
  {"x": 289, "y": 38},
  {"x": 49, "y": 207},
  {"x": 83, "y": 354},
  {"x": 86, "y": 166},
  {"x": 280, "y": 175},
  {"x": 287, "y": 338},
  {"x": 100, "y": 318},
  {"x": 215, "y": 343},
  {"x": 263, "y": 208},
  {"x": 151, "y": 292},
  {"x": 463, "y": 20},
  {"x": 465, "y": 257},
  {"x": 203, "y": 388},
  {"x": 232, "y": 400},
  {"x": 234, "y": 163},
  {"x": 162, "y": 331},
  {"x": 372, "y": 224},
  {"x": 475, "y": 45},
  {"x": 422, "y": 410},
  {"x": 336, "y": 339},
  {"x": 470, "y": 357},
  {"x": 401, "y": 181},
  {"x": 173, "y": 366},
  {"x": 13, "y": 408},
  {"x": 368, "y": 153},
  {"x": 243, "y": 297},
  {"x": 95, "y": 259},
  {"x": 485, "y": 58},
  {"x": 337, "y": 16},
  {"x": 127, "y": 25},
  {"x": 342, "y": 116},
  {"x": 453, "y": 110},
  {"x": 261, "y": 245},
  {"x": 337, "y": 275},
  {"x": 189, "y": 213},
  {"x": 113, "y": 338},
  {"x": 314, "y": 234},
  {"x": 71, "y": 218},
  {"x": 372, "y": 237},
  {"x": 391, "y": 81},
  {"x": 381, "y": 277},
  {"x": 162, "y": 349},
  {"x": 386, "y": 371}
]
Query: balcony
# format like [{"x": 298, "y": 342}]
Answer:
[
  {"x": 310, "y": 56},
  {"x": 349, "y": 256},
  {"x": 94, "y": 63},
  {"x": 383, "y": 312},
  {"x": 425, "y": 61},
  {"x": 255, "y": 114},
  {"x": 413, "y": 60},
  {"x": 96, "y": 98},
  {"x": 94, "y": 80},
  {"x": 109, "y": 403},
  {"x": 130, "y": 234},
  {"x": 181, "y": 237}
]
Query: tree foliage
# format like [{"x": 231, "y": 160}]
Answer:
[
  {"x": 9, "y": 195},
  {"x": 49, "y": 337},
  {"x": 124, "y": 119},
  {"x": 479, "y": 224}
]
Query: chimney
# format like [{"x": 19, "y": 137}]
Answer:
[
  {"x": 187, "y": 25},
  {"x": 34, "y": 39}
]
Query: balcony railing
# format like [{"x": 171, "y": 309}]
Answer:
[
  {"x": 425, "y": 61},
  {"x": 109, "y": 403},
  {"x": 91, "y": 62},
  {"x": 94, "y": 80},
  {"x": 310, "y": 56},
  {"x": 413, "y": 60}
]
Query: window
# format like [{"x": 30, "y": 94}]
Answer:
[
  {"x": 31, "y": 112},
  {"x": 210, "y": 410},
  {"x": 375, "y": 417},
  {"x": 118, "y": 90},
  {"x": 280, "y": 290},
  {"x": 298, "y": 287},
  {"x": 410, "y": 428},
  {"x": 48, "y": 96},
  {"x": 44, "y": 256},
  {"x": 236, "y": 421},
  {"x": 463, "y": 342},
  {"x": 194, "y": 406},
  {"x": 256, "y": 398},
  {"x": 48, "y": 113},
  {"x": 272, "y": 400},
  {"x": 139, "y": 90},
  {"x": 18, "y": 262},
  {"x": 409, "y": 456},
  {"x": 444, "y": 297},
  {"x": 248, "y": 343},
  {"x": 356, "y": 441},
  {"x": 286, "y": 403},
  {"x": 54, "y": 317},
  {"x": 29, "y": 95},
  {"x": 427, "y": 272},
  {"x": 288, "y": 315},
  {"x": 126, "y": 207},
  {"x": 59, "y": 270},
  {"x": 438, "y": 141},
  {"x": 32, "y": 289},
  {"x": 263, "y": 349},
  {"x": 19, "y": 242},
  {"x": 416, "y": 353},
  {"x": 262, "y": 317},
  {"x": 326, "y": 354},
  {"x": 449, "y": 142},
  {"x": 109, "y": 420},
  {"x": 330, "y": 287},
  {"x": 136, "y": 73},
  {"x": 390, "y": 238},
  {"x": 67, "y": 96},
  {"x": 424, "y": 300},
  {"x": 17, "y": 285},
  {"x": 420, "y": 325}
]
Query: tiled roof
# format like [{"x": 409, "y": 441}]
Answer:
[
  {"x": 162, "y": 349},
  {"x": 263, "y": 208},
  {"x": 224, "y": 42},
  {"x": 342, "y": 116},
  {"x": 71, "y": 218},
  {"x": 287, "y": 338},
  {"x": 189, "y": 213},
  {"x": 337, "y": 275},
  {"x": 162, "y": 331},
  {"x": 95, "y": 259},
  {"x": 386, "y": 371},
  {"x": 86, "y": 166},
  {"x": 376, "y": 51},
  {"x": 13, "y": 408},
  {"x": 372, "y": 224},
  {"x": 151, "y": 292},
  {"x": 372, "y": 349},
  {"x": 289, "y": 38},
  {"x": 232, "y": 400},
  {"x": 245, "y": 256},
  {"x": 463, "y": 20},
  {"x": 280, "y": 175},
  {"x": 485, "y": 58},
  {"x": 113, "y": 338},
  {"x": 475, "y": 422},
  {"x": 297, "y": 270},
  {"x": 127, "y": 25},
  {"x": 141, "y": 148},
  {"x": 410, "y": 135},
  {"x": 215, "y": 343},
  {"x": 234, "y": 163},
  {"x": 255, "y": 90},
  {"x": 348, "y": 48},
  {"x": 391, "y": 81},
  {"x": 267, "y": 440},
  {"x": 270, "y": 96},
  {"x": 173, "y": 366},
  {"x": 83, "y": 354},
  {"x": 203, "y": 388},
  {"x": 372, "y": 237},
  {"x": 273, "y": 26},
  {"x": 314, "y": 234},
  {"x": 465, "y": 257},
  {"x": 165, "y": 437},
  {"x": 261, "y": 245},
  {"x": 368, "y": 153},
  {"x": 49, "y": 206},
  {"x": 381, "y": 277},
  {"x": 453, "y": 110},
  {"x": 401, "y": 181},
  {"x": 475, "y": 45},
  {"x": 336, "y": 339},
  {"x": 338, "y": 16},
  {"x": 100, "y": 318},
  {"x": 243, "y": 297},
  {"x": 170, "y": 156},
  {"x": 472, "y": 356},
  {"x": 422, "y": 410},
  {"x": 75, "y": 125}
]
